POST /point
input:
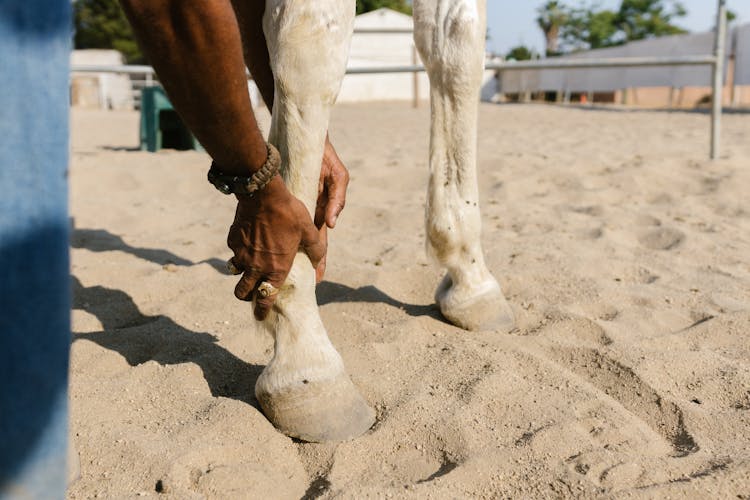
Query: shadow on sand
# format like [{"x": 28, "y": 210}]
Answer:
[
  {"x": 328, "y": 292},
  {"x": 140, "y": 338},
  {"x": 101, "y": 240},
  {"x": 126, "y": 149}
]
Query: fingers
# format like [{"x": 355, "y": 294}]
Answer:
[
  {"x": 263, "y": 304},
  {"x": 246, "y": 285},
  {"x": 334, "y": 180},
  {"x": 337, "y": 183},
  {"x": 312, "y": 244},
  {"x": 320, "y": 270},
  {"x": 320, "y": 209},
  {"x": 247, "y": 290},
  {"x": 232, "y": 267}
]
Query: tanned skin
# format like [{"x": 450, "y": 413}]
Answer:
[
  {"x": 197, "y": 50},
  {"x": 334, "y": 178}
]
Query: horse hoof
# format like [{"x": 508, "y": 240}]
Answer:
[
  {"x": 481, "y": 307},
  {"x": 316, "y": 411}
]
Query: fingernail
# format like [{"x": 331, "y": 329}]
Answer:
[{"x": 333, "y": 221}]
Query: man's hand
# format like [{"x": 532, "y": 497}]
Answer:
[
  {"x": 334, "y": 179},
  {"x": 269, "y": 229}
]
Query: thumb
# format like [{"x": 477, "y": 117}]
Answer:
[{"x": 312, "y": 244}]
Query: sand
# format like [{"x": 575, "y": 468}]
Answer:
[{"x": 623, "y": 251}]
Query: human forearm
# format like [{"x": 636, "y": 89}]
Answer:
[
  {"x": 196, "y": 50},
  {"x": 255, "y": 48}
]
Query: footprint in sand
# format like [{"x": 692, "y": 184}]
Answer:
[
  {"x": 235, "y": 473},
  {"x": 624, "y": 385},
  {"x": 591, "y": 234},
  {"x": 592, "y": 210},
  {"x": 578, "y": 329},
  {"x": 661, "y": 238},
  {"x": 647, "y": 220},
  {"x": 710, "y": 185},
  {"x": 660, "y": 199}
]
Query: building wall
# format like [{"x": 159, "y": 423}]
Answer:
[
  {"x": 378, "y": 50},
  {"x": 100, "y": 90},
  {"x": 686, "y": 97},
  {"x": 742, "y": 54},
  {"x": 613, "y": 79}
]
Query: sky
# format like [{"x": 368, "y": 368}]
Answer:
[{"x": 513, "y": 22}]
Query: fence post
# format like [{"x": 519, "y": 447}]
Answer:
[
  {"x": 718, "y": 79},
  {"x": 415, "y": 77},
  {"x": 735, "y": 87}
]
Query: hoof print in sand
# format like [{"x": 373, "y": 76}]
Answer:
[
  {"x": 621, "y": 383},
  {"x": 662, "y": 238}
]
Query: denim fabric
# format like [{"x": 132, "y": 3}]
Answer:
[{"x": 34, "y": 271}]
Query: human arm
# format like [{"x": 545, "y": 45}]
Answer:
[
  {"x": 334, "y": 177},
  {"x": 196, "y": 50}
]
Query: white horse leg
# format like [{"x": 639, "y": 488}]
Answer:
[
  {"x": 449, "y": 35},
  {"x": 305, "y": 390}
]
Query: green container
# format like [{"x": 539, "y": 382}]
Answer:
[{"x": 161, "y": 126}]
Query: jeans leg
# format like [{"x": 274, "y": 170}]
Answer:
[{"x": 34, "y": 269}]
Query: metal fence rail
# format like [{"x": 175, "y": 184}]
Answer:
[
  {"x": 716, "y": 61},
  {"x": 127, "y": 69},
  {"x": 619, "y": 62}
]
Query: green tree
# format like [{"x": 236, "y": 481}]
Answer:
[
  {"x": 592, "y": 27},
  {"x": 368, "y": 5},
  {"x": 101, "y": 24},
  {"x": 521, "y": 53},
  {"x": 640, "y": 19},
  {"x": 731, "y": 16},
  {"x": 551, "y": 17}
]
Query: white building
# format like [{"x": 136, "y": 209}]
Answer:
[
  {"x": 99, "y": 90},
  {"x": 370, "y": 48},
  {"x": 687, "y": 85},
  {"x": 377, "y": 50}
]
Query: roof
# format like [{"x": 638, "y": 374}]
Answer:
[
  {"x": 96, "y": 56},
  {"x": 383, "y": 18}
]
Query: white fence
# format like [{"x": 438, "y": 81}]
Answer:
[
  {"x": 742, "y": 55},
  {"x": 675, "y": 61},
  {"x": 715, "y": 64}
]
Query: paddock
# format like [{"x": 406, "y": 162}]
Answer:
[{"x": 621, "y": 248}]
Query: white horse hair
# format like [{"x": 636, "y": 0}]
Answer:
[{"x": 305, "y": 390}]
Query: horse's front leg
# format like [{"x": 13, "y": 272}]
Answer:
[
  {"x": 450, "y": 35},
  {"x": 305, "y": 390}
]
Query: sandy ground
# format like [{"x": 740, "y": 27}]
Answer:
[{"x": 624, "y": 253}]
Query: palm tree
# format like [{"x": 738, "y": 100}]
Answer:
[{"x": 552, "y": 16}]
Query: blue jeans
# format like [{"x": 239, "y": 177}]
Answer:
[{"x": 34, "y": 270}]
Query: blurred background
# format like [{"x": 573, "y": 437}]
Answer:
[{"x": 110, "y": 71}]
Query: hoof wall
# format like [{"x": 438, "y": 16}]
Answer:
[
  {"x": 318, "y": 411},
  {"x": 483, "y": 308}
]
